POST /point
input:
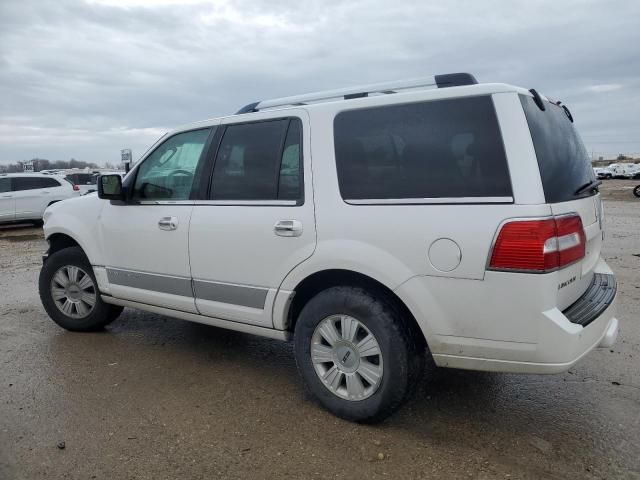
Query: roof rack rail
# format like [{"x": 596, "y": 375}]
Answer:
[{"x": 438, "y": 81}]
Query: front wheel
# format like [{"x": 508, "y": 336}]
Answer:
[
  {"x": 69, "y": 292},
  {"x": 636, "y": 191},
  {"x": 356, "y": 353}
]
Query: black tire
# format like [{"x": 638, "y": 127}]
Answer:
[
  {"x": 403, "y": 355},
  {"x": 636, "y": 191},
  {"x": 100, "y": 315}
]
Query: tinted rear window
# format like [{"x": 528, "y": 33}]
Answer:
[
  {"x": 443, "y": 148},
  {"x": 562, "y": 158},
  {"x": 259, "y": 161},
  {"x": 33, "y": 183}
]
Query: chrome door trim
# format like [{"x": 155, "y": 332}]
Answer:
[
  {"x": 430, "y": 201},
  {"x": 150, "y": 281},
  {"x": 273, "y": 203},
  {"x": 163, "y": 202},
  {"x": 243, "y": 295}
]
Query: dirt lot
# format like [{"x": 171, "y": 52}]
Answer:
[{"x": 153, "y": 397}]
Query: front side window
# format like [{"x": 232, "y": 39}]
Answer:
[
  {"x": 438, "y": 149},
  {"x": 5, "y": 185},
  {"x": 168, "y": 173},
  {"x": 259, "y": 161}
]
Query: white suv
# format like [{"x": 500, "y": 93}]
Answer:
[
  {"x": 25, "y": 196},
  {"x": 370, "y": 225}
]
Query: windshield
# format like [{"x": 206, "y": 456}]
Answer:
[{"x": 562, "y": 158}]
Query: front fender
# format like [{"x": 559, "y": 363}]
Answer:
[{"x": 78, "y": 218}]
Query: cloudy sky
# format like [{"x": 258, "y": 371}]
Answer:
[{"x": 84, "y": 79}]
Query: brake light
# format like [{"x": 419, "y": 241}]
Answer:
[
  {"x": 539, "y": 246},
  {"x": 76, "y": 188}
]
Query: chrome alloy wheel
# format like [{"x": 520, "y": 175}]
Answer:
[
  {"x": 73, "y": 291},
  {"x": 346, "y": 357}
]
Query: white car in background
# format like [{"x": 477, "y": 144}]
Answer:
[
  {"x": 602, "y": 173},
  {"x": 25, "y": 196},
  {"x": 624, "y": 170}
]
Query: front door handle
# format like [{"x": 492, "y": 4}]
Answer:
[
  {"x": 288, "y": 228},
  {"x": 168, "y": 223}
]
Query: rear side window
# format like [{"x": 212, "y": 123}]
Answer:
[
  {"x": 259, "y": 161},
  {"x": 5, "y": 185},
  {"x": 33, "y": 183},
  {"x": 49, "y": 182},
  {"x": 82, "y": 178},
  {"x": 440, "y": 149},
  {"x": 562, "y": 158}
]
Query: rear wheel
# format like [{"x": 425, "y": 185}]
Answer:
[
  {"x": 636, "y": 191},
  {"x": 69, "y": 292},
  {"x": 356, "y": 354}
]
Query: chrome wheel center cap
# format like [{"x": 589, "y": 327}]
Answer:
[
  {"x": 74, "y": 292},
  {"x": 346, "y": 358}
]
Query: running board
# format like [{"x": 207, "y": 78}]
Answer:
[{"x": 193, "y": 317}]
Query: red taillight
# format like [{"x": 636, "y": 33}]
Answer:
[
  {"x": 539, "y": 245},
  {"x": 76, "y": 188}
]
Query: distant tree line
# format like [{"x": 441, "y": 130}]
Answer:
[{"x": 40, "y": 164}]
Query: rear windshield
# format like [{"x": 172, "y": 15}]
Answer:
[
  {"x": 439, "y": 149},
  {"x": 562, "y": 158}
]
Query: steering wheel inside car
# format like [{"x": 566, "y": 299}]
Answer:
[{"x": 185, "y": 173}]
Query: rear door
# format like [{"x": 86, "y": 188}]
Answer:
[
  {"x": 565, "y": 171},
  {"x": 31, "y": 196},
  {"x": 7, "y": 201},
  {"x": 257, "y": 221}
]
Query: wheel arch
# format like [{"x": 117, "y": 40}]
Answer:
[
  {"x": 59, "y": 241},
  {"x": 321, "y": 280}
]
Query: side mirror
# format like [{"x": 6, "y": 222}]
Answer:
[{"x": 110, "y": 187}]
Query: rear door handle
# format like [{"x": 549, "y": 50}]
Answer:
[
  {"x": 168, "y": 223},
  {"x": 288, "y": 228}
]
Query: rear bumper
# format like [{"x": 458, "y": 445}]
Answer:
[
  {"x": 511, "y": 333},
  {"x": 606, "y": 339}
]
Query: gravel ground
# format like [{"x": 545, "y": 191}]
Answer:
[{"x": 154, "y": 397}]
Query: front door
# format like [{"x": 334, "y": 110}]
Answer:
[
  {"x": 145, "y": 241},
  {"x": 257, "y": 222}
]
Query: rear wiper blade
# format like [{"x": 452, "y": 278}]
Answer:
[{"x": 592, "y": 185}]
